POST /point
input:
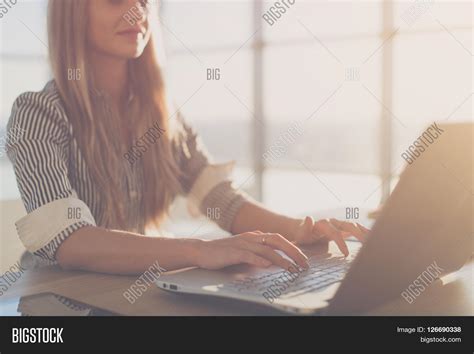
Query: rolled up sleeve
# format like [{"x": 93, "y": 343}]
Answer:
[
  {"x": 40, "y": 160},
  {"x": 43, "y": 230},
  {"x": 208, "y": 185}
]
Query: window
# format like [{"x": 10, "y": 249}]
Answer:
[{"x": 331, "y": 93}]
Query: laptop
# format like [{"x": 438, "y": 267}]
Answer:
[{"x": 428, "y": 219}]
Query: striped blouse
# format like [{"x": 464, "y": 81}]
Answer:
[{"x": 53, "y": 178}]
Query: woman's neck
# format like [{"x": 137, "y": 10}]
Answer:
[{"x": 111, "y": 76}]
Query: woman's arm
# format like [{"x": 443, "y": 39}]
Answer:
[
  {"x": 100, "y": 250},
  {"x": 109, "y": 251}
]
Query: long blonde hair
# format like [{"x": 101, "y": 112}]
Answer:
[{"x": 103, "y": 150}]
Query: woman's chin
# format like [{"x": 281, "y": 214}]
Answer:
[
  {"x": 136, "y": 55},
  {"x": 130, "y": 51},
  {"x": 130, "y": 54}
]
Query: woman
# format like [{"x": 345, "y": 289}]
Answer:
[{"x": 88, "y": 202}]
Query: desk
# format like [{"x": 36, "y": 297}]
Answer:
[{"x": 454, "y": 297}]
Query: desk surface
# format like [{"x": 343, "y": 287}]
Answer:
[{"x": 455, "y": 296}]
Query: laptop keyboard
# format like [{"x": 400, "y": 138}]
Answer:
[{"x": 322, "y": 272}]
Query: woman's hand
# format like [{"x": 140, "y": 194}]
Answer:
[
  {"x": 254, "y": 248},
  {"x": 307, "y": 231}
]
